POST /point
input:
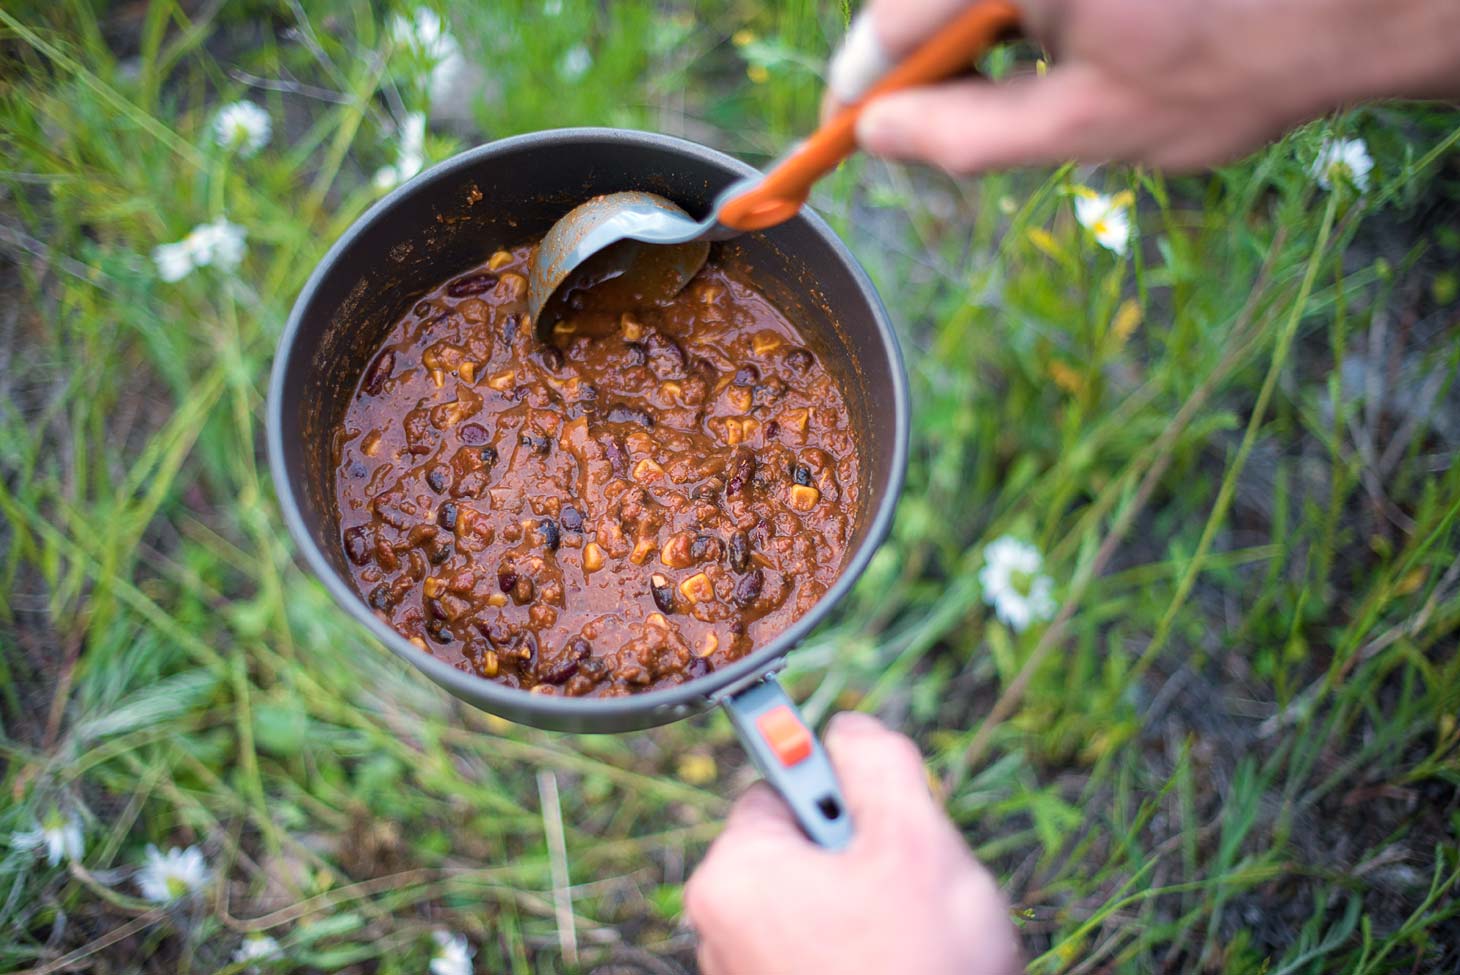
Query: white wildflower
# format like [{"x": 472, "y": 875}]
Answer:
[
  {"x": 411, "y": 157},
  {"x": 1013, "y": 585},
  {"x": 221, "y": 243},
  {"x": 551, "y": 8},
  {"x": 426, "y": 36},
  {"x": 1106, "y": 217},
  {"x": 242, "y": 126},
  {"x": 173, "y": 875},
  {"x": 258, "y": 947},
  {"x": 1343, "y": 161},
  {"x": 60, "y": 834},
  {"x": 575, "y": 63},
  {"x": 452, "y": 955}
]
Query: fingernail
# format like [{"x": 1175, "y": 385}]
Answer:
[
  {"x": 878, "y": 131},
  {"x": 853, "y": 722}
]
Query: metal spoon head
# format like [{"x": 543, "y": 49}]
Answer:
[{"x": 618, "y": 250}]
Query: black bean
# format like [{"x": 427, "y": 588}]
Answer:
[
  {"x": 799, "y": 360},
  {"x": 506, "y": 580},
  {"x": 747, "y": 590},
  {"x": 619, "y": 413},
  {"x": 698, "y": 667},
  {"x": 473, "y": 434},
  {"x": 438, "y": 477},
  {"x": 379, "y": 372},
  {"x": 662, "y": 592},
  {"x": 772, "y": 429},
  {"x": 357, "y": 469},
  {"x": 741, "y": 472},
  {"x": 551, "y": 356},
  {"x": 747, "y": 375},
  {"x": 740, "y": 552},
  {"x": 539, "y": 445},
  {"x": 438, "y": 551},
  {"x": 489, "y": 455},
  {"x": 472, "y": 284},
  {"x": 571, "y": 519},
  {"x": 499, "y": 633},
  {"x": 509, "y": 329},
  {"x": 550, "y": 534},
  {"x": 638, "y": 355},
  {"x": 381, "y": 597},
  {"x": 439, "y": 631},
  {"x": 446, "y": 515},
  {"x": 358, "y": 544},
  {"x": 801, "y": 474}
]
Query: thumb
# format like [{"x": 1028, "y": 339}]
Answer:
[{"x": 975, "y": 126}]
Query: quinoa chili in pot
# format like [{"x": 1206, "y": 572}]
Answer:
[{"x": 640, "y": 502}]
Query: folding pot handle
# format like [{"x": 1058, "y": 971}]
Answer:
[{"x": 790, "y": 758}]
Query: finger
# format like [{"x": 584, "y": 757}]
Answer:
[
  {"x": 880, "y": 770},
  {"x": 761, "y": 811},
  {"x": 974, "y": 126}
]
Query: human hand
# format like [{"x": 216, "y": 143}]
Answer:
[
  {"x": 1180, "y": 84},
  {"x": 905, "y": 896}
]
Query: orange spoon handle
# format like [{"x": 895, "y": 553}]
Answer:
[{"x": 778, "y": 195}]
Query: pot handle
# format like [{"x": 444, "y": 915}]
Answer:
[
  {"x": 779, "y": 194},
  {"x": 791, "y": 760}
]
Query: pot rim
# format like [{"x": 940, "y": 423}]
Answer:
[{"x": 488, "y": 694}]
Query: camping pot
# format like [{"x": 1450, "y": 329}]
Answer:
[{"x": 452, "y": 217}]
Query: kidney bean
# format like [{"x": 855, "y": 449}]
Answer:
[
  {"x": 506, "y": 579},
  {"x": 358, "y": 543},
  {"x": 473, "y": 434},
  {"x": 446, "y": 515},
  {"x": 742, "y": 470},
  {"x": 568, "y": 664},
  {"x": 748, "y": 589},
  {"x": 380, "y": 370},
  {"x": 472, "y": 284},
  {"x": 705, "y": 548},
  {"x": 662, "y": 592},
  {"x": 740, "y": 552},
  {"x": 799, "y": 360}
]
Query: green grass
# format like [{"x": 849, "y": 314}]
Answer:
[{"x": 1233, "y": 750}]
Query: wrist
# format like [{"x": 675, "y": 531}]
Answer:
[{"x": 1388, "y": 49}]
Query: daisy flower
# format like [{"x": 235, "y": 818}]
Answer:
[
  {"x": 60, "y": 834},
  {"x": 1013, "y": 585},
  {"x": 243, "y": 127},
  {"x": 452, "y": 955},
  {"x": 1343, "y": 161},
  {"x": 424, "y": 34},
  {"x": 173, "y": 875},
  {"x": 258, "y": 947},
  {"x": 412, "y": 154},
  {"x": 1106, "y": 217},
  {"x": 220, "y": 243}
]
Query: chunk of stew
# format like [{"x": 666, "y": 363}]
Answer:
[{"x": 634, "y": 505}]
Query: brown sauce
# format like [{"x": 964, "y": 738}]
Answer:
[{"x": 643, "y": 501}]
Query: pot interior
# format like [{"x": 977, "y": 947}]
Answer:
[{"x": 506, "y": 194}]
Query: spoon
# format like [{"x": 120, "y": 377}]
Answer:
[{"x": 631, "y": 248}]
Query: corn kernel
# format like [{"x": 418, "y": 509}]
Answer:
[
  {"x": 675, "y": 552},
  {"x": 511, "y": 286},
  {"x": 633, "y": 331},
  {"x": 433, "y": 587},
  {"x": 647, "y": 471},
  {"x": 764, "y": 343},
  {"x": 739, "y": 397},
  {"x": 468, "y": 370},
  {"x": 497, "y": 599},
  {"x": 698, "y": 588},
  {"x": 641, "y": 551},
  {"x": 795, "y": 419},
  {"x": 490, "y": 664},
  {"x": 734, "y": 432},
  {"x": 657, "y": 619},
  {"x": 438, "y": 376},
  {"x": 419, "y": 643},
  {"x": 592, "y": 557},
  {"x": 564, "y": 328},
  {"x": 370, "y": 446},
  {"x": 804, "y": 498},
  {"x": 670, "y": 391},
  {"x": 503, "y": 380},
  {"x": 709, "y": 645},
  {"x": 499, "y": 260}
]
